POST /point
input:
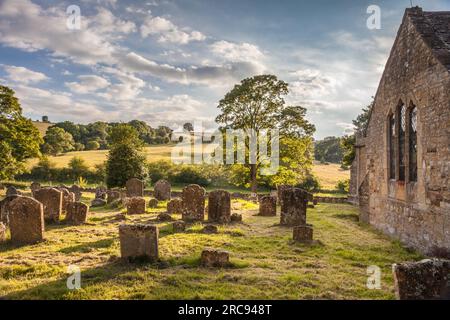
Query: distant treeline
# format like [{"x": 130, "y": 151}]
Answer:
[
  {"x": 328, "y": 150},
  {"x": 95, "y": 135}
]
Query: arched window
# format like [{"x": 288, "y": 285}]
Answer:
[
  {"x": 391, "y": 146},
  {"x": 412, "y": 143},
  {"x": 401, "y": 141}
]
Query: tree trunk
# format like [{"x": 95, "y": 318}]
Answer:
[{"x": 254, "y": 183}]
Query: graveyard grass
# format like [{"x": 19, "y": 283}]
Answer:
[{"x": 265, "y": 262}]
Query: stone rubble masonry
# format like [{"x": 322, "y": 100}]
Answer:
[
  {"x": 293, "y": 207},
  {"x": 135, "y": 188},
  {"x": 215, "y": 258},
  {"x": 219, "y": 206},
  {"x": 193, "y": 199},
  {"x": 162, "y": 190},
  {"x": 26, "y": 221},
  {"x": 52, "y": 200},
  {"x": 424, "y": 280},
  {"x": 139, "y": 241},
  {"x": 77, "y": 213},
  {"x": 303, "y": 233},
  {"x": 417, "y": 73},
  {"x": 268, "y": 206},
  {"x": 136, "y": 205}
]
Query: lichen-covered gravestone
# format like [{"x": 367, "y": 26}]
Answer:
[
  {"x": 303, "y": 233},
  {"x": 135, "y": 188},
  {"x": 162, "y": 190},
  {"x": 77, "y": 213},
  {"x": 268, "y": 206},
  {"x": 193, "y": 199},
  {"x": 138, "y": 241},
  {"x": 136, "y": 205},
  {"x": 52, "y": 200},
  {"x": 280, "y": 190},
  {"x": 424, "y": 280},
  {"x": 174, "y": 206},
  {"x": 68, "y": 198},
  {"x": 293, "y": 207},
  {"x": 219, "y": 206},
  {"x": 26, "y": 220},
  {"x": 35, "y": 186}
]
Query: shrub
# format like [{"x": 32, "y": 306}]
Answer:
[
  {"x": 160, "y": 170},
  {"x": 310, "y": 183},
  {"x": 189, "y": 174},
  {"x": 78, "y": 168},
  {"x": 45, "y": 170},
  {"x": 343, "y": 185},
  {"x": 92, "y": 145}
]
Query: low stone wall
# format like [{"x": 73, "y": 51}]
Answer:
[{"x": 331, "y": 199}]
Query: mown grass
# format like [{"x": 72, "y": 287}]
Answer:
[{"x": 265, "y": 262}]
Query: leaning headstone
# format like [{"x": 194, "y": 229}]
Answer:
[
  {"x": 2, "y": 232},
  {"x": 193, "y": 199},
  {"x": 113, "y": 195},
  {"x": 52, "y": 200},
  {"x": 174, "y": 206},
  {"x": 424, "y": 280},
  {"x": 12, "y": 191},
  {"x": 77, "y": 191},
  {"x": 5, "y": 209},
  {"x": 138, "y": 241},
  {"x": 268, "y": 206},
  {"x": 179, "y": 226},
  {"x": 303, "y": 233},
  {"x": 219, "y": 206},
  {"x": 136, "y": 205},
  {"x": 153, "y": 203},
  {"x": 135, "y": 188},
  {"x": 26, "y": 220},
  {"x": 68, "y": 198},
  {"x": 35, "y": 186},
  {"x": 293, "y": 207},
  {"x": 215, "y": 258},
  {"x": 162, "y": 190},
  {"x": 77, "y": 213}
]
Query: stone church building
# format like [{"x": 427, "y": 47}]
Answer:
[{"x": 400, "y": 177}]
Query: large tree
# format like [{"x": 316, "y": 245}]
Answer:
[
  {"x": 57, "y": 141},
  {"x": 257, "y": 104},
  {"x": 125, "y": 158},
  {"x": 19, "y": 138}
]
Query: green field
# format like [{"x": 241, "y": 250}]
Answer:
[
  {"x": 328, "y": 175},
  {"x": 265, "y": 262}
]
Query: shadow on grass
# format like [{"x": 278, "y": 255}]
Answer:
[
  {"x": 87, "y": 247},
  {"x": 350, "y": 217}
]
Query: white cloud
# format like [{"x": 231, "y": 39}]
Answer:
[
  {"x": 24, "y": 75},
  {"x": 87, "y": 84},
  {"x": 237, "y": 52},
  {"x": 166, "y": 31}
]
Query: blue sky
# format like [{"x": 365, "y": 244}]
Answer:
[{"x": 168, "y": 62}]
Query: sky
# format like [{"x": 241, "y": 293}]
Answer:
[{"x": 170, "y": 62}]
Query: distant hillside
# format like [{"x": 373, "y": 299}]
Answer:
[{"x": 42, "y": 126}]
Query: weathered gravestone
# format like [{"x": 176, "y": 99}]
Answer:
[
  {"x": 268, "y": 206},
  {"x": 219, "y": 206},
  {"x": 5, "y": 208},
  {"x": 138, "y": 241},
  {"x": 164, "y": 216},
  {"x": 193, "y": 199},
  {"x": 2, "y": 232},
  {"x": 424, "y": 280},
  {"x": 77, "y": 213},
  {"x": 236, "y": 217},
  {"x": 26, "y": 220},
  {"x": 174, "y": 206},
  {"x": 280, "y": 190},
  {"x": 136, "y": 205},
  {"x": 68, "y": 198},
  {"x": 303, "y": 233},
  {"x": 215, "y": 258},
  {"x": 179, "y": 226},
  {"x": 162, "y": 190},
  {"x": 153, "y": 203},
  {"x": 101, "y": 193},
  {"x": 293, "y": 207},
  {"x": 35, "y": 186},
  {"x": 12, "y": 191},
  {"x": 113, "y": 195},
  {"x": 76, "y": 191},
  {"x": 135, "y": 188},
  {"x": 52, "y": 200}
]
